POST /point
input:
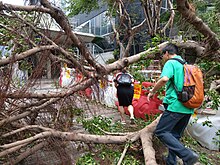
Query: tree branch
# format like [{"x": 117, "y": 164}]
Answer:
[{"x": 213, "y": 43}]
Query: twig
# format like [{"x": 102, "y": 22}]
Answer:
[
  {"x": 123, "y": 154},
  {"x": 111, "y": 133}
]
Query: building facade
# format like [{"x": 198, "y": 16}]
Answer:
[{"x": 98, "y": 23}]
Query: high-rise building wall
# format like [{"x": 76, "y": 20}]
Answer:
[{"x": 97, "y": 23}]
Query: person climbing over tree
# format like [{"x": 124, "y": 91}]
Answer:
[
  {"x": 125, "y": 91},
  {"x": 176, "y": 116}
]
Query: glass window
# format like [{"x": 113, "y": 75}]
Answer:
[
  {"x": 92, "y": 26},
  {"x": 99, "y": 25},
  {"x": 85, "y": 28}
]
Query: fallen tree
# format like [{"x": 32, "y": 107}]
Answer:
[{"x": 31, "y": 118}]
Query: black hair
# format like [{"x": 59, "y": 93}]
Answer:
[
  {"x": 123, "y": 70},
  {"x": 170, "y": 48}
]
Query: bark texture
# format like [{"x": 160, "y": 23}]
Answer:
[{"x": 32, "y": 119}]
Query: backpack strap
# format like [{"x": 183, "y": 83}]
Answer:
[
  {"x": 179, "y": 60},
  {"x": 172, "y": 82},
  {"x": 116, "y": 78},
  {"x": 172, "y": 79}
]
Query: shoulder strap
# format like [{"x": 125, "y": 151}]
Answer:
[
  {"x": 179, "y": 60},
  {"x": 118, "y": 74},
  {"x": 172, "y": 81}
]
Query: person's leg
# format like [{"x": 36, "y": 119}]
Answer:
[
  {"x": 165, "y": 131},
  {"x": 130, "y": 94},
  {"x": 131, "y": 111},
  {"x": 121, "y": 102},
  {"x": 171, "y": 158},
  {"x": 122, "y": 114},
  {"x": 177, "y": 133}
]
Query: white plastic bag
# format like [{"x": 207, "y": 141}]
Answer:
[
  {"x": 205, "y": 135},
  {"x": 66, "y": 77}
]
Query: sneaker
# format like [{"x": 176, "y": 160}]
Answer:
[
  {"x": 193, "y": 160},
  {"x": 123, "y": 122},
  {"x": 132, "y": 121}
]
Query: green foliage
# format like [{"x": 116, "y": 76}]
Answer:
[
  {"x": 111, "y": 60},
  {"x": 165, "y": 17},
  {"x": 102, "y": 154},
  {"x": 161, "y": 92},
  {"x": 207, "y": 65},
  {"x": 201, "y": 6},
  {"x": 150, "y": 118},
  {"x": 209, "y": 12},
  {"x": 81, "y": 6},
  {"x": 217, "y": 5},
  {"x": 137, "y": 67},
  {"x": 75, "y": 7},
  {"x": 189, "y": 141},
  {"x": 109, "y": 154},
  {"x": 213, "y": 99},
  {"x": 217, "y": 140},
  {"x": 106, "y": 155},
  {"x": 211, "y": 19},
  {"x": 12, "y": 28},
  {"x": 153, "y": 42},
  {"x": 139, "y": 77},
  {"x": 203, "y": 158},
  {"x": 144, "y": 63},
  {"x": 24, "y": 65},
  {"x": 99, "y": 123},
  {"x": 77, "y": 111},
  {"x": 207, "y": 123},
  {"x": 116, "y": 53},
  {"x": 130, "y": 160},
  {"x": 193, "y": 144},
  {"x": 87, "y": 159}
]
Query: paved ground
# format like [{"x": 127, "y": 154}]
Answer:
[{"x": 92, "y": 108}]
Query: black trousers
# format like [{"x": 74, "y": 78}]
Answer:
[{"x": 125, "y": 95}]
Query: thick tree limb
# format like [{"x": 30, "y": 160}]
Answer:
[
  {"x": 60, "y": 18},
  {"x": 184, "y": 8},
  {"x": 146, "y": 140},
  {"x": 60, "y": 94},
  {"x": 28, "y": 140},
  {"x": 26, "y": 54},
  {"x": 11, "y": 150},
  {"x": 5, "y": 6},
  {"x": 25, "y": 128},
  {"x": 145, "y": 135},
  {"x": 64, "y": 52},
  {"x": 170, "y": 21},
  {"x": 28, "y": 112},
  {"x": 27, "y": 153}
]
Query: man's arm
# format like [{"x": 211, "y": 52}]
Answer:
[{"x": 160, "y": 83}]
